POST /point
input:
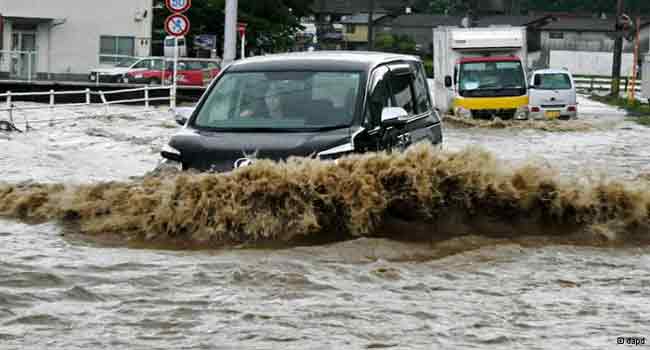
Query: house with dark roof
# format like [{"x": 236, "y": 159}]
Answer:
[
  {"x": 355, "y": 34},
  {"x": 574, "y": 41},
  {"x": 420, "y": 26}
]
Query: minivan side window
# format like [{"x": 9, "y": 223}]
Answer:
[
  {"x": 423, "y": 104},
  {"x": 379, "y": 97},
  {"x": 401, "y": 85}
]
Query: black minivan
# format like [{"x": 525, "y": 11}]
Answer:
[{"x": 312, "y": 104}]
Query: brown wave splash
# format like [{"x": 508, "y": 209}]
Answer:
[
  {"x": 542, "y": 125},
  {"x": 422, "y": 194}
]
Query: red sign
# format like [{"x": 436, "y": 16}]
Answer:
[
  {"x": 241, "y": 28},
  {"x": 177, "y": 25},
  {"x": 178, "y": 6}
]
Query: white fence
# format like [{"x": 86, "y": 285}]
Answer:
[
  {"x": 11, "y": 97},
  {"x": 603, "y": 83}
]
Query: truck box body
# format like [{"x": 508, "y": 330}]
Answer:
[{"x": 453, "y": 45}]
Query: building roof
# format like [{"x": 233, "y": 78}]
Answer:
[
  {"x": 420, "y": 21},
  {"x": 585, "y": 24},
  {"x": 355, "y": 6},
  {"x": 428, "y": 21},
  {"x": 318, "y": 60},
  {"x": 361, "y": 18},
  {"x": 516, "y": 21}
]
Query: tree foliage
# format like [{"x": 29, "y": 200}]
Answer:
[{"x": 392, "y": 43}]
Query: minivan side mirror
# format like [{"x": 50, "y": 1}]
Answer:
[
  {"x": 182, "y": 115},
  {"x": 448, "y": 82},
  {"x": 394, "y": 116}
]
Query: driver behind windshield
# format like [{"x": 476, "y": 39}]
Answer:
[{"x": 268, "y": 105}]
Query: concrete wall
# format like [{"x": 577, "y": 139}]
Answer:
[
  {"x": 589, "y": 62},
  {"x": 73, "y": 46},
  {"x": 582, "y": 41}
]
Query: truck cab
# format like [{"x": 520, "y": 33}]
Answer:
[
  {"x": 481, "y": 72},
  {"x": 493, "y": 86}
]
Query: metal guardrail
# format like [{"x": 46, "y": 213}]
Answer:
[
  {"x": 603, "y": 83},
  {"x": 10, "y": 98}
]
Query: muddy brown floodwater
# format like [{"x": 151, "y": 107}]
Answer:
[{"x": 388, "y": 278}]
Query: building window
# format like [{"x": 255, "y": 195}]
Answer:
[
  {"x": 350, "y": 28},
  {"x": 112, "y": 49},
  {"x": 556, "y": 35}
]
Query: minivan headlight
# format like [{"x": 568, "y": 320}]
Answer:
[
  {"x": 336, "y": 152},
  {"x": 171, "y": 153}
]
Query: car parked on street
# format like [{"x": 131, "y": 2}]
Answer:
[
  {"x": 129, "y": 70},
  {"x": 194, "y": 72},
  {"x": 113, "y": 74},
  {"x": 310, "y": 104},
  {"x": 552, "y": 95},
  {"x": 156, "y": 70},
  {"x": 147, "y": 71}
]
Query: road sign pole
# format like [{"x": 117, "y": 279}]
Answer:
[
  {"x": 243, "y": 44},
  {"x": 230, "y": 32},
  {"x": 175, "y": 82}
]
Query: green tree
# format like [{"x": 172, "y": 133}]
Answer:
[
  {"x": 391, "y": 43},
  {"x": 384, "y": 42}
]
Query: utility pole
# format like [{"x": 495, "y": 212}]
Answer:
[
  {"x": 230, "y": 33},
  {"x": 618, "y": 51},
  {"x": 371, "y": 29}
]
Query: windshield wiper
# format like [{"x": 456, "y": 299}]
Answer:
[{"x": 332, "y": 127}]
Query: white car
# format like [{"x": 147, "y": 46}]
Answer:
[
  {"x": 552, "y": 95},
  {"x": 125, "y": 71}
]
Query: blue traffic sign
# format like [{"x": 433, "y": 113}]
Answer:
[{"x": 178, "y": 6}]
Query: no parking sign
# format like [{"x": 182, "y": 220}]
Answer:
[{"x": 177, "y": 25}]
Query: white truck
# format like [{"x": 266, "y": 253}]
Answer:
[{"x": 481, "y": 72}]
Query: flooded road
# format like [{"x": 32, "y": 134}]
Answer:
[{"x": 60, "y": 291}]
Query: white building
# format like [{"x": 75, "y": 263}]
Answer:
[{"x": 64, "y": 39}]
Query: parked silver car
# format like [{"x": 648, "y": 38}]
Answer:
[{"x": 552, "y": 95}]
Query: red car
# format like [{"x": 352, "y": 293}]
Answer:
[
  {"x": 195, "y": 72},
  {"x": 145, "y": 71},
  {"x": 191, "y": 72}
]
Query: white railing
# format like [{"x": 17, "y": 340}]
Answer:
[
  {"x": 11, "y": 97},
  {"x": 604, "y": 83}
]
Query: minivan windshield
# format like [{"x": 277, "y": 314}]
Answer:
[
  {"x": 487, "y": 78},
  {"x": 552, "y": 81},
  {"x": 290, "y": 100}
]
